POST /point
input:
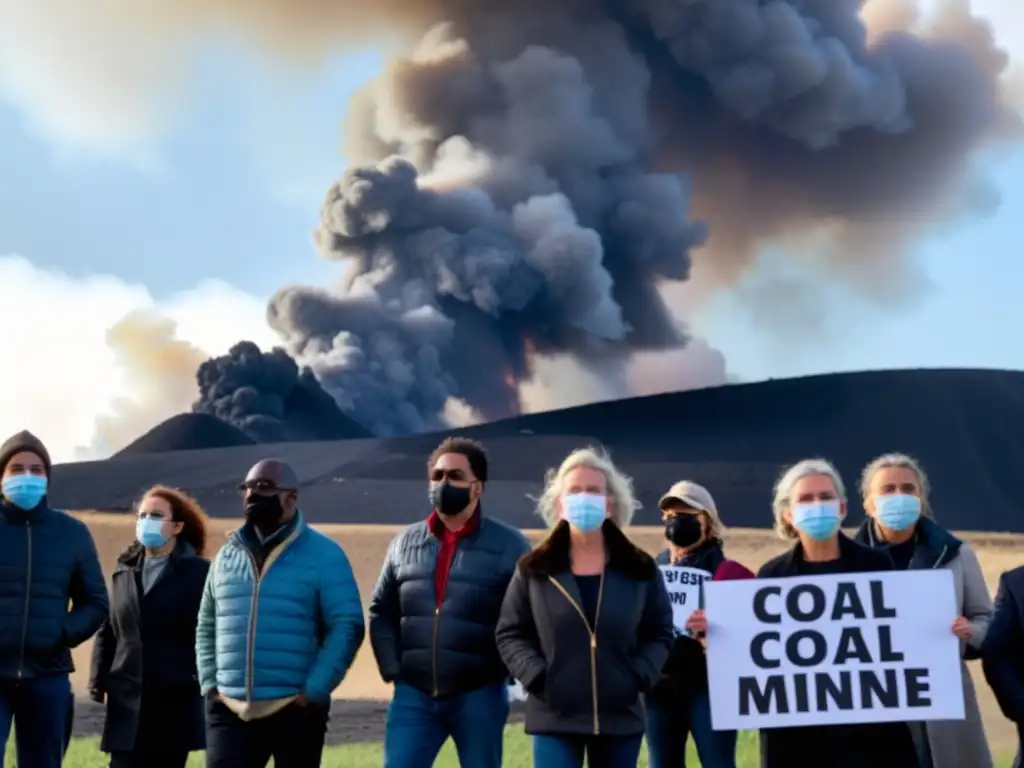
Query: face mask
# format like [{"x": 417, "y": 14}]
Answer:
[
  {"x": 264, "y": 512},
  {"x": 150, "y": 532},
  {"x": 818, "y": 520},
  {"x": 24, "y": 491},
  {"x": 897, "y": 511},
  {"x": 449, "y": 500},
  {"x": 684, "y": 530},
  {"x": 584, "y": 511}
]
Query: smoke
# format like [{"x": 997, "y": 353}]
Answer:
[
  {"x": 528, "y": 176},
  {"x": 269, "y": 397}
]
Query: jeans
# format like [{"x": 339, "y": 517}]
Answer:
[
  {"x": 669, "y": 726},
  {"x": 38, "y": 707},
  {"x": 293, "y": 736},
  {"x": 600, "y": 751},
  {"x": 418, "y": 725}
]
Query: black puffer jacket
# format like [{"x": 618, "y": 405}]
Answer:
[
  {"x": 47, "y": 558},
  {"x": 452, "y": 650},
  {"x": 581, "y": 683}
]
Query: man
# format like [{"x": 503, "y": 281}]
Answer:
[
  {"x": 433, "y": 616},
  {"x": 47, "y": 560},
  {"x": 1002, "y": 653},
  {"x": 279, "y": 624}
]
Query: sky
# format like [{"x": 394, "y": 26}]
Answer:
[{"x": 195, "y": 206}]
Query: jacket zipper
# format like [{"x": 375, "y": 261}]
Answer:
[
  {"x": 250, "y": 667},
  {"x": 437, "y": 621},
  {"x": 593, "y": 639},
  {"x": 28, "y": 593}
]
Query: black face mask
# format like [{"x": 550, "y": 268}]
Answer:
[
  {"x": 449, "y": 500},
  {"x": 684, "y": 530},
  {"x": 265, "y": 512}
]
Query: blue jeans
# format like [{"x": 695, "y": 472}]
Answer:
[
  {"x": 417, "y": 726},
  {"x": 600, "y": 751},
  {"x": 668, "y": 727},
  {"x": 38, "y": 707}
]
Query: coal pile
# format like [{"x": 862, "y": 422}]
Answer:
[
  {"x": 187, "y": 432},
  {"x": 965, "y": 426}
]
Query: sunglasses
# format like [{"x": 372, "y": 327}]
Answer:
[
  {"x": 262, "y": 487},
  {"x": 440, "y": 475}
]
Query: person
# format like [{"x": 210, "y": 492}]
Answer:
[
  {"x": 586, "y": 624},
  {"x": 678, "y": 704},
  {"x": 143, "y": 658},
  {"x": 1002, "y": 653},
  {"x": 433, "y": 614},
  {"x": 280, "y": 622},
  {"x": 900, "y": 522},
  {"x": 48, "y": 560},
  {"x": 809, "y": 507}
]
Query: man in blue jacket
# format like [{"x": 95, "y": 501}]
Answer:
[
  {"x": 47, "y": 560},
  {"x": 279, "y": 625},
  {"x": 433, "y": 616}
]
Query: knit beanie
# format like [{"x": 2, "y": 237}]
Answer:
[{"x": 23, "y": 441}]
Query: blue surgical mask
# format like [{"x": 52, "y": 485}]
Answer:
[
  {"x": 150, "y": 532},
  {"x": 897, "y": 511},
  {"x": 24, "y": 491},
  {"x": 584, "y": 511},
  {"x": 819, "y": 520}
]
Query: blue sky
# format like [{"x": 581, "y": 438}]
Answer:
[{"x": 200, "y": 218}]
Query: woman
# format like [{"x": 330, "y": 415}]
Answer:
[
  {"x": 895, "y": 497},
  {"x": 586, "y": 625},
  {"x": 679, "y": 704},
  {"x": 809, "y": 507},
  {"x": 143, "y": 661}
]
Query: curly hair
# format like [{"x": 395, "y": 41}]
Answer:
[
  {"x": 620, "y": 487},
  {"x": 184, "y": 510}
]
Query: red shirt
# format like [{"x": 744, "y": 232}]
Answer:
[{"x": 449, "y": 541}]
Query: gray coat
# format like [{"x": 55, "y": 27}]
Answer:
[{"x": 954, "y": 743}]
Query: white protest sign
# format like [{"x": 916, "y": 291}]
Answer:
[
  {"x": 683, "y": 586},
  {"x": 836, "y": 649}
]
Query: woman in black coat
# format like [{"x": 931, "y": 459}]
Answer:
[
  {"x": 143, "y": 661},
  {"x": 809, "y": 506},
  {"x": 586, "y": 624}
]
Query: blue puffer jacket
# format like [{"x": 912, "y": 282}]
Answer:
[
  {"x": 47, "y": 559},
  {"x": 293, "y": 629}
]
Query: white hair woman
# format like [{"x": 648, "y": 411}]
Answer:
[
  {"x": 894, "y": 490},
  {"x": 809, "y": 507},
  {"x": 586, "y": 624}
]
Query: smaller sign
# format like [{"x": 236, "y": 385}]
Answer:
[{"x": 683, "y": 586}]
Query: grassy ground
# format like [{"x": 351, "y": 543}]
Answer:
[{"x": 84, "y": 753}]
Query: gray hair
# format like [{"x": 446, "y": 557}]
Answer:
[
  {"x": 620, "y": 487},
  {"x": 898, "y": 461},
  {"x": 789, "y": 478}
]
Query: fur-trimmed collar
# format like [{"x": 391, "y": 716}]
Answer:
[{"x": 551, "y": 556}]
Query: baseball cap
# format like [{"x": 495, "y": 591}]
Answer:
[{"x": 691, "y": 494}]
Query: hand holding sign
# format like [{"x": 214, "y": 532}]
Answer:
[
  {"x": 697, "y": 625},
  {"x": 962, "y": 628},
  {"x": 684, "y": 592}
]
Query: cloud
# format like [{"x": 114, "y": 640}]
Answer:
[{"x": 92, "y": 362}]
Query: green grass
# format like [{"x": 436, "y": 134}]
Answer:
[{"x": 85, "y": 753}]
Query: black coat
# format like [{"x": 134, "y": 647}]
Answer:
[
  {"x": 47, "y": 559},
  {"x": 872, "y": 745},
  {"x": 1002, "y": 654},
  {"x": 577, "y": 686},
  {"x": 144, "y": 655},
  {"x": 448, "y": 651}
]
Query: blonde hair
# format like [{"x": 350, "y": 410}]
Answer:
[
  {"x": 620, "y": 487},
  {"x": 789, "y": 478},
  {"x": 898, "y": 461}
]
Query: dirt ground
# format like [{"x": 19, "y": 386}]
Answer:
[{"x": 358, "y": 712}]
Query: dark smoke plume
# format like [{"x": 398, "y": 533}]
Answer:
[
  {"x": 524, "y": 176},
  {"x": 271, "y": 399}
]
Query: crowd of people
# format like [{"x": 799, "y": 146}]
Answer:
[{"x": 239, "y": 654}]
